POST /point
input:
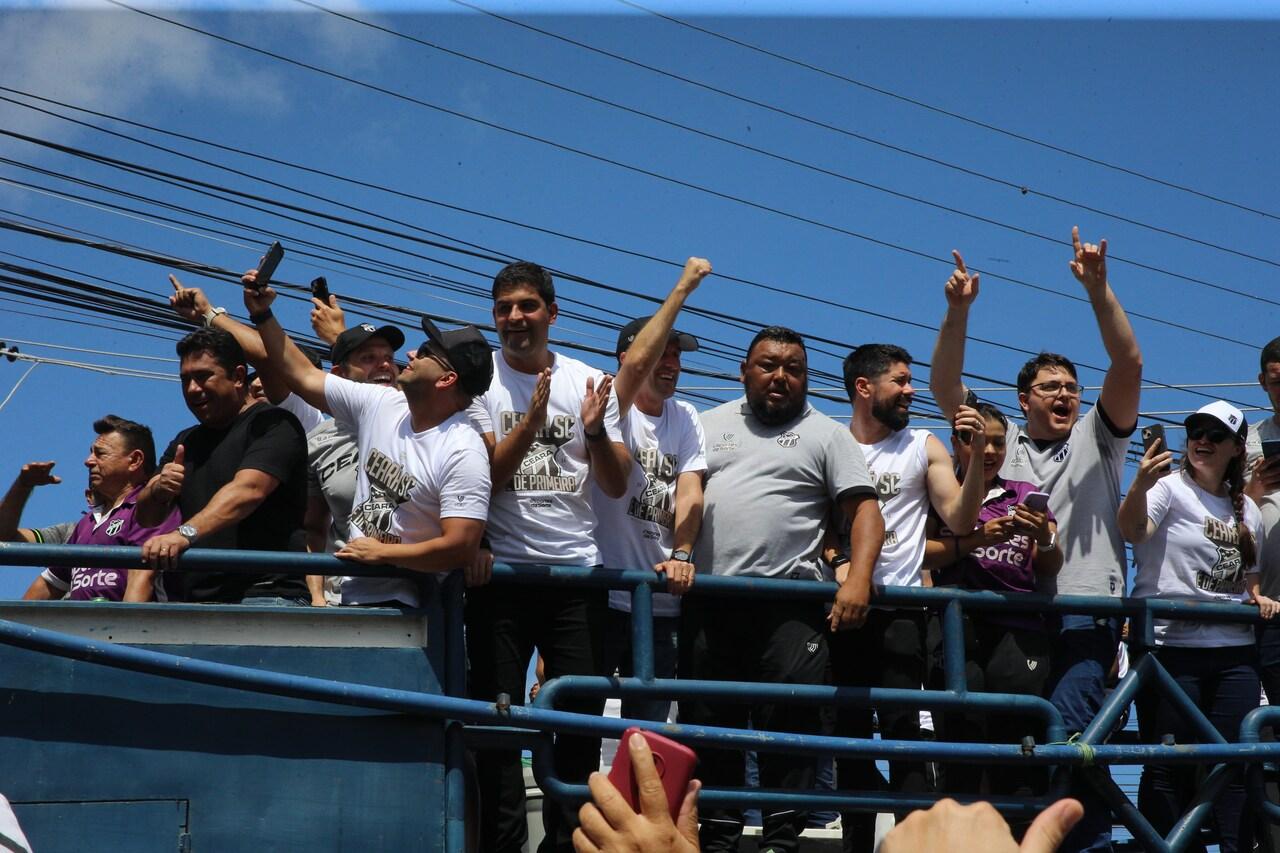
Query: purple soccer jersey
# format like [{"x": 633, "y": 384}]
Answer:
[{"x": 116, "y": 528}]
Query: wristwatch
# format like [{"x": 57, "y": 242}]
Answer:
[
  {"x": 1053, "y": 542},
  {"x": 211, "y": 315},
  {"x": 190, "y": 532},
  {"x": 680, "y": 555}
]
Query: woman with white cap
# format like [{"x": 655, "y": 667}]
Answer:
[{"x": 1196, "y": 537}]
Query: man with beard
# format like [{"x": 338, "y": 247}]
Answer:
[
  {"x": 912, "y": 471},
  {"x": 775, "y": 469},
  {"x": 1079, "y": 462}
]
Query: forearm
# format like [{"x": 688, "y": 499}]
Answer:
[
  {"x": 647, "y": 348},
  {"x": 688, "y": 518},
  {"x": 1122, "y": 386},
  {"x": 941, "y": 551},
  {"x": 442, "y": 554},
  {"x": 509, "y": 452},
  {"x": 286, "y": 364},
  {"x": 1047, "y": 564},
  {"x": 946, "y": 380},
  {"x": 140, "y": 586},
  {"x": 152, "y": 506},
  {"x": 610, "y": 465},
  {"x": 232, "y": 504},
  {"x": 866, "y": 536},
  {"x": 1132, "y": 516},
  {"x": 15, "y": 501},
  {"x": 247, "y": 337},
  {"x": 961, "y": 511}
]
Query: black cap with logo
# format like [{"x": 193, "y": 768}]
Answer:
[
  {"x": 467, "y": 352},
  {"x": 626, "y": 337},
  {"x": 354, "y": 337}
]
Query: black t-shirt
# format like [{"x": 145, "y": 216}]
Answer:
[{"x": 262, "y": 438}]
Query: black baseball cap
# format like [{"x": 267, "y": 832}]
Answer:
[
  {"x": 687, "y": 342},
  {"x": 467, "y": 352},
  {"x": 352, "y": 338}
]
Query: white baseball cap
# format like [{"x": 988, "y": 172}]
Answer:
[{"x": 1223, "y": 413}]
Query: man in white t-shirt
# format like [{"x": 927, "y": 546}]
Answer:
[
  {"x": 550, "y": 424},
  {"x": 1079, "y": 460},
  {"x": 1263, "y": 486},
  {"x": 912, "y": 471},
  {"x": 655, "y": 524},
  {"x": 422, "y": 492}
]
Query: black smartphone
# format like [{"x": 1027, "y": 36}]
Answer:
[
  {"x": 1152, "y": 434},
  {"x": 1270, "y": 449},
  {"x": 267, "y": 266},
  {"x": 320, "y": 289}
]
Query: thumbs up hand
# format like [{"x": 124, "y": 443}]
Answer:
[{"x": 168, "y": 483}]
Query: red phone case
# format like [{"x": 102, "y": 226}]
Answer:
[{"x": 675, "y": 763}]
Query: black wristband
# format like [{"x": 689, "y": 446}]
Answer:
[
  {"x": 261, "y": 317},
  {"x": 596, "y": 436}
]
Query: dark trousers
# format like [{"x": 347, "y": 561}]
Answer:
[
  {"x": 887, "y": 651},
  {"x": 617, "y": 658},
  {"x": 777, "y": 642},
  {"x": 504, "y": 625},
  {"x": 1082, "y": 651},
  {"x": 999, "y": 659},
  {"x": 1268, "y": 634},
  {"x": 1223, "y": 683}
]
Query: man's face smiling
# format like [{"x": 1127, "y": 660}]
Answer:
[
  {"x": 373, "y": 361},
  {"x": 213, "y": 396},
  {"x": 666, "y": 373},
  {"x": 1050, "y": 416},
  {"x": 776, "y": 379},
  {"x": 523, "y": 321}
]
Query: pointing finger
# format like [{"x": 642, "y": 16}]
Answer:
[
  {"x": 959, "y": 261},
  {"x": 173, "y": 279},
  {"x": 1102, "y": 249},
  {"x": 1075, "y": 238}
]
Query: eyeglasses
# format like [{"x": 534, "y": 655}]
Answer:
[
  {"x": 1217, "y": 435},
  {"x": 1053, "y": 386},
  {"x": 425, "y": 351}
]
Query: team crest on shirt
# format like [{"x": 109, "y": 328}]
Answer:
[
  {"x": 1226, "y": 575},
  {"x": 656, "y": 501},
  {"x": 540, "y": 470},
  {"x": 788, "y": 439},
  {"x": 1032, "y": 664},
  {"x": 1063, "y": 453},
  {"x": 811, "y": 646},
  {"x": 114, "y": 527},
  {"x": 389, "y": 486}
]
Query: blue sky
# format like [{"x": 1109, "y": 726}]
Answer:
[{"x": 1186, "y": 100}]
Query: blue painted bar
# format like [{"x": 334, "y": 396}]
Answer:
[
  {"x": 642, "y": 631},
  {"x": 953, "y": 648}
]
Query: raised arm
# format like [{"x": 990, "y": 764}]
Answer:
[
  {"x": 1122, "y": 387},
  {"x": 958, "y": 504},
  {"x": 505, "y": 455},
  {"x": 327, "y": 320},
  {"x": 649, "y": 344},
  {"x": 1135, "y": 525},
  {"x": 609, "y": 459},
  {"x": 31, "y": 477},
  {"x": 283, "y": 359},
  {"x": 946, "y": 380}
]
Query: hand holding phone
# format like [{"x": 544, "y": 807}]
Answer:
[
  {"x": 1036, "y": 501},
  {"x": 267, "y": 266},
  {"x": 673, "y": 761},
  {"x": 320, "y": 289},
  {"x": 1152, "y": 434}
]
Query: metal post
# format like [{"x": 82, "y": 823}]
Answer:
[
  {"x": 455, "y": 684},
  {"x": 953, "y": 646},
  {"x": 642, "y": 632}
]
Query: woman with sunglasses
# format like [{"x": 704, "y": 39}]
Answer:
[
  {"x": 1196, "y": 537},
  {"x": 1009, "y": 548}
]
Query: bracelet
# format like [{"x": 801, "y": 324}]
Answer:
[
  {"x": 261, "y": 317},
  {"x": 595, "y": 436}
]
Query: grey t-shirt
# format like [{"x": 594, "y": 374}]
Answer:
[
  {"x": 54, "y": 534},
  {"x": 1081, "y": 473},
  {"x": 769, "y": 491},
  {"x": 1259, "y": 432},
  {"x": 333, "y": 458}
]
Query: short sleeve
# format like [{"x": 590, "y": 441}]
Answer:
[
  {"x": 693, "y": 443},
  {"x": 348, "y": 400},
  {"x": 846, "y": 467},
  {"x": 276, "y": 445},
  {"x": 465, "y": 485},
  {"x": 55, "y": 534},
  {"x": 308, "y": 415},
  {"x": 1159, "y": 499},
  {"x": 1252, "y": 447},
  {"x": 478, "y": 414},
  {"x": 58, "y": 577}
]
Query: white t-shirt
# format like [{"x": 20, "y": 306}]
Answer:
[
  {"x": 640, "y": 526},
  {"x": 899, "y": 466},
  {"x": 1194, "y": 554},
  {"x": 543, "y": 515},
  {"x": 407, "y": 481},
  {"x": 308, "y": 415}
]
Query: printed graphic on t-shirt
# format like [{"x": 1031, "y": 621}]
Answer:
[
  {"x": 389, "y": 486},
  {"x": 339, "y": 463},
  {"x": 540, "y": 470},
  {"x": 1226, "y": 575},
  {"x": 655, "y": 502},
  {"x": 888, "y": 487}
]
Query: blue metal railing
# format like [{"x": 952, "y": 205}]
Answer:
[{"x": 531, "y": 726}]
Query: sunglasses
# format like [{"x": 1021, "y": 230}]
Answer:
[
  {"x": 1217, "y": 435},
  {"x": 425, "y": 351}
]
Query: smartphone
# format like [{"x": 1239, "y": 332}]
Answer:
[
  {"x": 1038, "y": 501},
  {"x": 1270, "y": 449},
  {"x": 267, "y": 266},
  {"x": 1152, "y": 434},
  {"x": 675, "y": 763},
  {"x": 320, "y": 289},
  {"x": 970, "y": 400}
]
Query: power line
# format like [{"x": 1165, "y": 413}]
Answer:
[{"x": 948, "y": 113}]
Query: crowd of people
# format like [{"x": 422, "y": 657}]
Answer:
[{"x": 465, "y": 455}]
